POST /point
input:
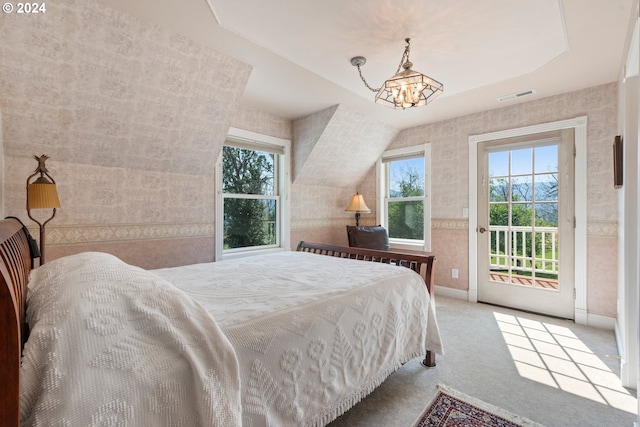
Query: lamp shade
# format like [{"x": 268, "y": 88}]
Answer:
[
  {"x": 42, "y": 196},
  {"x": 357, "y": 204}
]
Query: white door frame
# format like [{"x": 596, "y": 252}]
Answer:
[{"x": 579, "y": 124}]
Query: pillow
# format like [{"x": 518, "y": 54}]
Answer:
[
  {"x": 114, "y": 344},
  {"x": 370, "y": 237}
]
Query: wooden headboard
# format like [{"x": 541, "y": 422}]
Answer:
[{"x": 15, "y": 266}]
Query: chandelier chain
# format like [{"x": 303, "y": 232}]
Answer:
[
  {"x": 365, "y": 82},
  {"x": 405, "y": 56},
  {"x": 403, "y": 60}
]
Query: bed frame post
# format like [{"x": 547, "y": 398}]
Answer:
[{"x": 429, "y": 277}]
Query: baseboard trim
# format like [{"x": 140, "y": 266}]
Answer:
[
  {"x": 581, "y": 317},
  {"x": 619, "y": 342},
  {"x": 601, "y": 322},
  {"x": 593, "y": 320},
  {"x": 452, "y": 293}
]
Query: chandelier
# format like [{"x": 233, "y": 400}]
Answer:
[{"x": 407, "y": 88}]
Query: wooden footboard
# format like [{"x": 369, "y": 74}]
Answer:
[{"x": 421, "y": 264}]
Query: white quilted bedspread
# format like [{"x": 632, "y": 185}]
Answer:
[
  {"x": 313, "y": 334},
  {"x": 114, "y": 345}
]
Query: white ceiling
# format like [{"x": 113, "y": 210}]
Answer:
[{"x": 479, "y": 49}]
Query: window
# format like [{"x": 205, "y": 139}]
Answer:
[
  {"x": 251, "y": 186},
  {"x": 404, "y": 187}
]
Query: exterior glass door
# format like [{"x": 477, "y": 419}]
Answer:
[{"x": 525, "y": 199}]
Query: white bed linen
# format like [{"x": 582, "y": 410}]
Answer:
[
  {"x": 115, "y": 345},
  {"x": 313, "y": 334}
]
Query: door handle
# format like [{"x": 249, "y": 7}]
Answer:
[{"x": 482, "y": 229}]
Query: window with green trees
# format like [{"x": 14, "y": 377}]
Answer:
[
  {"x": 251, "y": 196},
  {"x": 404, "y": 191}
]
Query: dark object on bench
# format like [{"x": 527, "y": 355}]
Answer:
[{"x": 370, "y": 237}]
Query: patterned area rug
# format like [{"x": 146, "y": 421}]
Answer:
[{"x": 450, "y": 408}]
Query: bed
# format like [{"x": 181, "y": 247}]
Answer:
[{"x": 122, "y": 342}]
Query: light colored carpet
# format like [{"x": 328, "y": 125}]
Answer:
[{"x": 548, "y": 370}]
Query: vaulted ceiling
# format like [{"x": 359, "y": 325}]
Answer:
[
  {"x": 96, "y": 86},
  {"x": 480, "y": 50}
]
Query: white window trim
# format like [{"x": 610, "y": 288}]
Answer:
[
  {"x": 248, "y": 139},
  {"x": 406, "y": 244}
]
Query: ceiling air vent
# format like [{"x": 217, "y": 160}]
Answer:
[{"x": 516, "y": 95}]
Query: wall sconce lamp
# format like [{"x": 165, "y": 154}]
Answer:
[
  {"x": 42, "y": 194},
  {"x": 357, "y": 205}
]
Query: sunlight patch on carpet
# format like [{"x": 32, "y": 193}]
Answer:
[
  {"x": 553, "y": 355},
  {"x": 451, "y": 408}
]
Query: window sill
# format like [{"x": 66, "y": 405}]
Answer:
[
  {"x": 408, "y": 246},
  {"x": 242, "y": 253}
]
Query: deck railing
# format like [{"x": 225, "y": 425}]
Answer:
[{"x": 523, "y": 249}]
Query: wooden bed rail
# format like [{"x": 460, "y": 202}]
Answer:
[
  {"x": 421, "y": 264},
  {"x": 15, "y": 266}
]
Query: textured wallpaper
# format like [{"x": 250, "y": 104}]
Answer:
[
  {"x": 122, "y": 93},
  {"x": 336, "y": 147},
  {"x": 334, "y": 151},
  {"x": 132, "y": 116},
  {"x": 450, "y": 182},
  {"x": 254, "y": 120},
  {"x": 2, "y": 178},
  {"x": 450, "y": 146}
]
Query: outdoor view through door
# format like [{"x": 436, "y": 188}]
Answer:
[
  {"x": 523, "y": 216},
  {"x": 525, "y": 194}
]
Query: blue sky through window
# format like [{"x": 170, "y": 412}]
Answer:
[
  {"x": 399, "y": 169},
  {"x": 531, "y": 176},
  {"x": 546, "y": 160}
]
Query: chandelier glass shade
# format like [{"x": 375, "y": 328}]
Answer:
[{"x": 407, "y": 88}]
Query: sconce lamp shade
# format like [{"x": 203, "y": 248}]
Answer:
[
  {"x": 41, "y": 195},
  {"x": 357, "y": 204}
]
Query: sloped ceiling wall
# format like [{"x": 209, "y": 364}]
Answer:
[
  {"x": 133, "y": 117},
  {"x": 87, "y": 84},
  {"x": 336, "y": 147}
]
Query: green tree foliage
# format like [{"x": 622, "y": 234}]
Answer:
[
  {"x": 246, "y": 220},
  {"x": 521, "y": 213},
  {"x": 406, "y": 218},
  {"x": 499, "y": 208}
]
